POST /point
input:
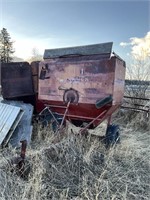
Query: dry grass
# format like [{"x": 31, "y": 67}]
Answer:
[{"x": 80, "y": 168}]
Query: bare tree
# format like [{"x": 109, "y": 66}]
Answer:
[
  {"x": 138, "y": 72},
  {"x": 36, "y": 56},
  {"x": 138, "y": 83}
]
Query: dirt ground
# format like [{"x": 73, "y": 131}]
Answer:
[{"x": 70, "y": 166}]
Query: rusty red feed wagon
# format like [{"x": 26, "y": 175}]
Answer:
[{"x": 82, "y": 84}]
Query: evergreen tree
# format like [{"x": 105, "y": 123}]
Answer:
[{"x": 6, "y": 47}]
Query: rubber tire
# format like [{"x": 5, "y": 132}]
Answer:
[{"x": 112, "y": 136}]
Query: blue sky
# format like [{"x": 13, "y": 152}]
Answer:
[{"x": 45, "y": 24}]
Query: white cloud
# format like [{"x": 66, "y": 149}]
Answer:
[
  {"x": 140, "y": 47},
  {"x": 124, "y": 44}
]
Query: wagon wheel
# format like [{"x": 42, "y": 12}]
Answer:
[
  {"x": 71, "y": 95},
  {"x": 112, "y": 136}
]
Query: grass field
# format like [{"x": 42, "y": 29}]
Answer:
[{"x": 69, "y": 166}]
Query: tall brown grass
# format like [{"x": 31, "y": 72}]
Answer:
[{"x": 69, "y": 166}]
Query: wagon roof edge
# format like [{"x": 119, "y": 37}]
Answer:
[{"x": 92, "y": 49}]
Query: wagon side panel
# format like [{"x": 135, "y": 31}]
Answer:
[
  {"x": 35, "y": 71},
  {"x": 119, "y": 81},
  {"x": 92, "y": 79}
]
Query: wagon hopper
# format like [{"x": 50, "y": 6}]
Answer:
[{"x": 82, "y": 84}]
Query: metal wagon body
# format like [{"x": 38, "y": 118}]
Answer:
[{"x": 82, "y": 83}]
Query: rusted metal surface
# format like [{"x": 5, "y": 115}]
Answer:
[
  {"x": 105, "y": 114},
  {"x": 9, "y": 119},
  {"x": 19, "y": 161},
  {"x": 119, "y": 81},
  {"x": 84, "y": 80},
  {"x": 81, "y": 112},
  {"x": 35, "y": 71},
  {"x": 92, "y": 79},
  {"x": 64, "y": 116},
  {"x": 21, "y": 164},
  {"x": 103, "y": 48},
  {"x": 23, "y": 149},
  {"x": 16, "y": 80},
  {"x": 92, "y": 122}
]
